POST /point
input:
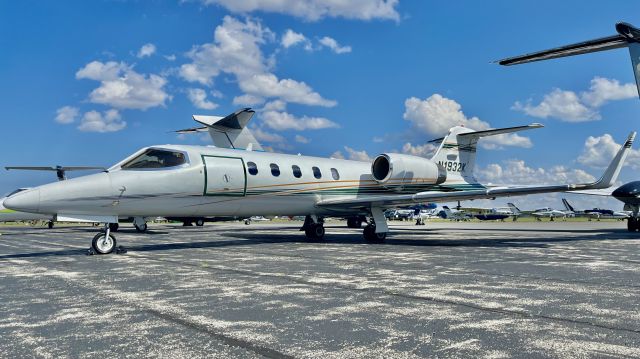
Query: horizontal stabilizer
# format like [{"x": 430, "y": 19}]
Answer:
[
  {"x": 229, "y": 131},
  {"x": 493, "y": 132}
]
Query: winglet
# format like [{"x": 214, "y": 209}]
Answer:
[{"x": 611, "y": 173}]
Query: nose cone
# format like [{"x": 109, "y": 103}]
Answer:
[{"x": 25, "y": 201}]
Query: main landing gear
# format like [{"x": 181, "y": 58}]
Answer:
[
  {"x": 633, "y": 224},
  {"x": 140, "y": 224},
  {"x": 355, "y": 222},
  {"x": 377, "y": 229},
  {"x": 371, "y": 236},
  {"x": 313, "y": 227}
]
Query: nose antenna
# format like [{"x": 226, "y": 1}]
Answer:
[{"x": 61, "y": 171}]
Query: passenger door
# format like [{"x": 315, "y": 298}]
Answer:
[{"x": 224, "y": 176}]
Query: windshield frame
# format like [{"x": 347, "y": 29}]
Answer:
[{"x": 118, "y": 166}]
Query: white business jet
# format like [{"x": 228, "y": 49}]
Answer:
[{"x": 235, "y": 178}]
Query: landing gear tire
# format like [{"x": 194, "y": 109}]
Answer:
[
  {"x": 50, "y": 224},
  {"x": 354, "y": 223},
  {"x": 199, "y": 222},
  {"x": 142, "y": 228},
  {"x": 315, "y": 231},
  {"x": 633, "y": 224},
  {"x": 114, "y": 227},
  {"x": 103, "y": 245},
  {"x": 371, "y": 236}
]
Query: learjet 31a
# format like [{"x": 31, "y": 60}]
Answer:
[{"x": 235, "y": 179}]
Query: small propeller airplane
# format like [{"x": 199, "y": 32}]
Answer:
[{"x": 234, "y": 178}]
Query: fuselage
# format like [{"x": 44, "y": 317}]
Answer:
[{"x": 211, "y": 181}]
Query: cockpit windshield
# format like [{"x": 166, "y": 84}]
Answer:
[{"x": 155, "y": 158}]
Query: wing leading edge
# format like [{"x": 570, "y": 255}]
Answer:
[{"x": 608, "y": 178}]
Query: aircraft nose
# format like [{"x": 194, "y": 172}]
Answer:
[{"x": 25, "y": 201}]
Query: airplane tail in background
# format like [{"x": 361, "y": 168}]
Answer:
[
  {"x": 514, "y": 209},
  {"x": 567, "y": 206},
  {"x": 628, "y": 36},
  {"x": 457, "y": 150}
]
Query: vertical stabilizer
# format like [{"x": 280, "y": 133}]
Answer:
[{"x": 457, "y": 151}]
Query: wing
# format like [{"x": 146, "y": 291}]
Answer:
[{"x": 608, "y": 178}]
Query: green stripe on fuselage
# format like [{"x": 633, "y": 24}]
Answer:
[{"x": 7, "y": 211}]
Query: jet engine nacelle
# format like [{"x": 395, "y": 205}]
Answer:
[{"x": 394, "y": 170}]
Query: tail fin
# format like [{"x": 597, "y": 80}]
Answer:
[
  {"x": 447, "y": 212},
  {"x": 514, "y": 209},
  {"x": 230, "y": 131},
  {"x": 457, "y": 151},
  {"x": 567, "y": 205},
  {"x": 628, "y": 36}
]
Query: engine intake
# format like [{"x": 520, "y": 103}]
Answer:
[{"x": 394, "y": 170}]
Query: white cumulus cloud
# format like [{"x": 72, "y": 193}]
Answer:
[
  {"x": 314, "y": 10},
  {"x": 108, "y": 121},
  {"x": 436, "y": 114},
  {"x": 352, "y": 154},
  {"x": 146, "y": 50},
  {"x": 599, "y": 151},
  {"x": 334, "y": 46},
  {"x": 286, "y": 121},
  {"x": 198, "y": 98},
  {"x": 122, "y": 87},
  {"x": 292, "y": 38},
  {"x": 66, "y": 115},
  {"x": 425, "y": 150},
  {"x": 572, "y": 107},
  {"x": 236, "y": 50}
]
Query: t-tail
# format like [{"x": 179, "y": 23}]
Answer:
[
  {"x": 515, "y": 210},
  {"x": 627, "y": 36},
  {"x": 567, "y": 205},
  {"x": 457, "y": 151}
]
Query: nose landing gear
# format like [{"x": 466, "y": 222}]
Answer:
[{"x": 105, "y": 242}]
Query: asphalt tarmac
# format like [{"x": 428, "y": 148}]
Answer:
[{"x": 444, "y": 290}]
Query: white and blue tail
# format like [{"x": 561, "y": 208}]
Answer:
[{"x": 457, "y": 151}]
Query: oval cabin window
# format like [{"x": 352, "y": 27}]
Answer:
[
  {"x": 296, "y": 171},
  {"x": 335, "y": 174},
  {"x": 252, "y": 168},
  {"x": 275, "y": 170},
  {"x": 316, "y": 172}
]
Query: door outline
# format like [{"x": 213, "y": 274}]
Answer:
[{"x": 244, "y": 171}]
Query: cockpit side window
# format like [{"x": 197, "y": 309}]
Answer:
[{"x": 156, "y": 158}]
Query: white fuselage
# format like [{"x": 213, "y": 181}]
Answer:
[{"x": 214, "y": 182}]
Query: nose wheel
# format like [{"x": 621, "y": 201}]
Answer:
[{"x": 103, "y": 243}]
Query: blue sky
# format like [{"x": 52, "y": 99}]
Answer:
[{"x": 79, "y": 86}]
